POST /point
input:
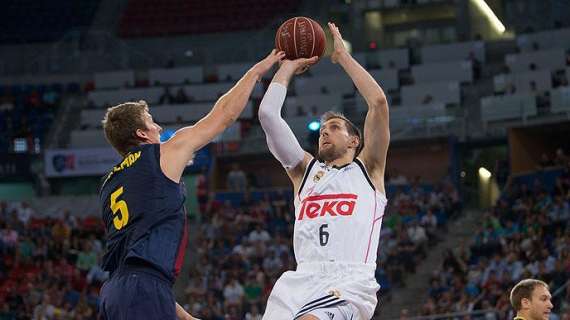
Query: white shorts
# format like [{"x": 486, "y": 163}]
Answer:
[
  {"x": 319, "y": 285},
  {"x": 342, "y": 312}
]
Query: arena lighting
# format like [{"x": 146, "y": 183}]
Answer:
[
  {"x": 314, "y": 125},
  {"x": 484, "y": 173},
  {"x": 487, "y": 11}
]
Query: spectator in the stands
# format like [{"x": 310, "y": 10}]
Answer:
[
  {"x": 314, "y": 111},
  {"x": 397, "y": 179},
  {"x": 427, "y": 99},
  {"x": 166, "y": 97},
  {"x": 532, "y": 87},
  {"x": 25, "y": 212},
  {"x": 181, "y": 97},
  {"x": 259, "y": 234},
  {"x": 233, "y": 294},
  {"x": 545, "y": 161},
  {"x": 560, "y": 158},
  {"x": 511, "y": 89},
  {"x": 237, "y": 180},
  {"x": 475, "y": 64}
]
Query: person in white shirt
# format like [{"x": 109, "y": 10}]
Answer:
[
  {"x": 233, "y": 293},
  {"x": 417, "y": 233},
  {"x": 25, "y": 212},
  {"x": 259, "y": 234},
  {"x": 339, "y": 200}
]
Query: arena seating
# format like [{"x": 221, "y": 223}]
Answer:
[
  {"x": 386, "y": 59},
  {"x": 525, "y": 235},
  {"x": 26, "y": 21},
  {"x": 27, "y": 111},
  {"x": 459, "y": 51},
  {"x": 245, "y": 244},
  {"x": 448, "y": 92},
  {"x": 147, "y": 18},
  {"x": 535, "y": 80},
  {"x": 549, "y": 39},
  {"x": 508, "y": 107},
  {"x": 560, "y": 100},
  {"x": 461, "y": 71},
  {"x": 49, "y": 265},
  {"x": 552, "y": 59},
  {"x": 542, "y": 80}
]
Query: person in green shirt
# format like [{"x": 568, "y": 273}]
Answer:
[{"x": 86, "y": 258}]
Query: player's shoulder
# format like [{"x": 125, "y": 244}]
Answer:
[{"x": 142, "y": 156}]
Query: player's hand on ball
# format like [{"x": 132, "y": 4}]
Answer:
[
  {"x": 264, "y": 65},
  {"x": 298, "y": 66},
  {"x": 339, "y": 48}
]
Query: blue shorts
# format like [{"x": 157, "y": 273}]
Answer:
[{"x": 136, "y": 293}]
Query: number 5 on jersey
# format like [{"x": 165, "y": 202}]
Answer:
[{"x": 119, "y": 207}]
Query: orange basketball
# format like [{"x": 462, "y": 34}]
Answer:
[{"x": 300, "y": 37}]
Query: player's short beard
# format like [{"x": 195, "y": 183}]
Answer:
[{"x": 330, "y": 154}]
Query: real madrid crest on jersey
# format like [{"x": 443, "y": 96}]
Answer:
[{"x": 318, "y": 176}]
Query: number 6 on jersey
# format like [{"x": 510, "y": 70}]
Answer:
[
  {"x": 119, "y": 206},
  {"x": 323, "y": 235}
]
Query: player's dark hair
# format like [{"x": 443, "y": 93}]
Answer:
[
  {"x": 350, "y": 127},
  {"x": 523, "y": 290},
  {"x": 121, "y": 123}
]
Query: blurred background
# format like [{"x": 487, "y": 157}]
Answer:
[{"x": 478, "y": 171}]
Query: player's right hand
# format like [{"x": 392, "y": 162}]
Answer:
[
  {"x": 297, "y": 66},
  {"x": 264, "y": 65}
]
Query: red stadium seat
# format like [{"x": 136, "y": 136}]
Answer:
[{"x": 143, "y": 18}]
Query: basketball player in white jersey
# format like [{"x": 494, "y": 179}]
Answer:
[{"x": 339, "y": 200}]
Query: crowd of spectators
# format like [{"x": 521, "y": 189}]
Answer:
[
  {"x": 49, "y": 267},
  {"x": 243, "y": 248},
  {"x": 26, "y": 112},
  {"x": 524, "y": 235}
]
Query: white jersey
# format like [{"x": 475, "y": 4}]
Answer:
[
  {"x": 338, "y": 215},
  {"x": 337, "y": 228}
]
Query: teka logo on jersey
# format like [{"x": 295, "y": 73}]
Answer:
[{"x": 341, "y": 204}]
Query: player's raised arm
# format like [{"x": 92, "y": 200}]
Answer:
[
  {"x": 179, "y": 150},
  {"x": 280, "y": 139},
  {"x": 376, "y": 125}
]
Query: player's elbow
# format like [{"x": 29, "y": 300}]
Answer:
[
  {"x": 379, "y": 101},
  {"x": 267, "y": 117}
]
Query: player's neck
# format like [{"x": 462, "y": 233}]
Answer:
[
  {"x": 521, "y": 316},
  {"x": 340, "y": 162}
]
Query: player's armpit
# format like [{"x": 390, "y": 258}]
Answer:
[{"x": 297, "y": 173}]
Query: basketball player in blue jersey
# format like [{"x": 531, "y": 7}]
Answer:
[{"x": 142, "y": 202}]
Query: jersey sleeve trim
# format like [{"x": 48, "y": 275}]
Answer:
[
  {"x": 309, "y": 167},
  {"x": 157, "y": 155},
  {"x": 363, "y": 168}
]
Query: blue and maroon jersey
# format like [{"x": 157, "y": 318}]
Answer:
[{"x": 144, "y": 214}]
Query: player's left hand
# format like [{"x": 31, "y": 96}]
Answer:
[
  {"x": 339, "y": 49},
  {"x": 267, "y": 63}
]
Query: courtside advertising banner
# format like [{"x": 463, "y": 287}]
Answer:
[
  {"x": 80, "y": 162},
  {"x": 99, "y": 161}
]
